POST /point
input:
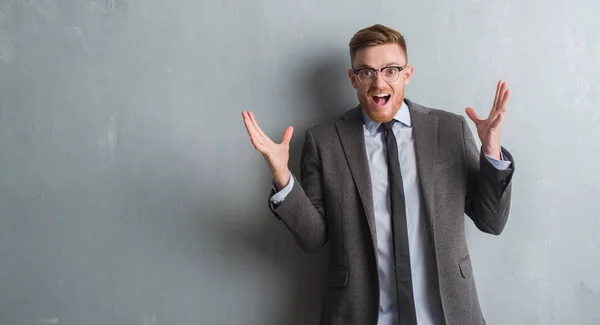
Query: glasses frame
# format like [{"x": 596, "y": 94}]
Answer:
[{"x": 377, "y": 71}]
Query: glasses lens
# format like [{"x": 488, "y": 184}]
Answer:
[
  {"x": 390, "y": 74},
  {"x": 366, "y": 75}
]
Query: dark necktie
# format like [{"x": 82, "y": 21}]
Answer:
[{"x": 406, "y": 301}]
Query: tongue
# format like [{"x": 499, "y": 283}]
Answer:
[{"x": 380, "y": 100}]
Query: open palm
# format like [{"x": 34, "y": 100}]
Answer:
[
  {"x": 276, "y": 155},
  {"x": 489, "y": 129}
]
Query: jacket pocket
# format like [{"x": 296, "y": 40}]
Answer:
[
  {"x": 338, "y": 277},
  {"x": 466, "y": 270}
]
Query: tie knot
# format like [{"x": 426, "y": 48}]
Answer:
[{"x": 388, "y": 125}]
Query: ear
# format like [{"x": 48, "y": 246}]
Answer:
[
  {"x": 352, "y": 77},
  {"x": 408, "y": 72}
]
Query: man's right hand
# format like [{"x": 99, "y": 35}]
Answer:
[{"x": 277, "y": 155}]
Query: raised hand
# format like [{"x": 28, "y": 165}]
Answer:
[
  {"x": 276, "y": 155},
  {"x": 489, "y": 129}
]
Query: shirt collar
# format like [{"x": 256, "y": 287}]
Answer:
[{"x": 401, "y": 116}]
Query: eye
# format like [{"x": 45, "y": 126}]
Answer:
[
  {"x": 390, "y": 71},
  {"x": 367, "y": 73}
]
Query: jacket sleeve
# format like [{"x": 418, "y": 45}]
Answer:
[
  {"x": 302, "y": 210},
  {"x": 488, "y": 189}
]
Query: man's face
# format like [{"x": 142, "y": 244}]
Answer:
[{"x": 380, "y": 99}]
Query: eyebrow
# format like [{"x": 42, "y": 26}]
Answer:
[{"x": 387, "y": 65}]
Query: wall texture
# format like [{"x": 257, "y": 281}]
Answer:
[{"x": 130, "y": 194}]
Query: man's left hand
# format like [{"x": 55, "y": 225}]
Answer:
[{"x": 489, "y": 129}]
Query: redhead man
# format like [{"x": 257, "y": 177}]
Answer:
[{"x": 388, "y": 186}]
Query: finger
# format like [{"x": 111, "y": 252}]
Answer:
[
  {"x": 504, "y": 103},
  {"x": 473, "y": 115},
  {"x": 258, "y": 145},
  {"x": 252, "y": 132},
  {"x": 503, "y": 93},
  {"x": 500, "y": 104},
  {"x": 258, "y": 129},
  {"x": 495, "y": 102},
  {"x": 497, "y": 98},
  {"x": 496, "y": 123},
  {"x": 247, "y": 123},
  {"x": 287, "y": 135},
  {"x": 257, "y": 140}
]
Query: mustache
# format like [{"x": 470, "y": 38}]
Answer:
[{"x": 373, "y": 92}]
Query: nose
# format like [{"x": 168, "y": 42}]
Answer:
[{"x": 378, "y": 82}]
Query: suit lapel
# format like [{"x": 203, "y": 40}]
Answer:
[
  {"x": 351, "y": 133},
  {"x": 425, "y": 131}
]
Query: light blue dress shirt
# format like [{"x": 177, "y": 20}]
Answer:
[{"x": 425, "y": 290}]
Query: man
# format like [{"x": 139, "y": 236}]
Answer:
[{"x": 387, "y": 186}]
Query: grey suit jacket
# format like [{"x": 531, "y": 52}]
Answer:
[{"x": 334, "y": 203}]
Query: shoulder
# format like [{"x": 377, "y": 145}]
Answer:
[
  {"x": 329, "y": 128},
  {"x": 444, "y": 117}
]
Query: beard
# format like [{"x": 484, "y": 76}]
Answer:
[{"x": 381, "y": 114}]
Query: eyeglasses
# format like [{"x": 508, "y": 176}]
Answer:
[{"x": 389, "y": 74}]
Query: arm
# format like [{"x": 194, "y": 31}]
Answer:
[
  {"x": 302, "y": 210},
  {"x": 489, "y": 188}
]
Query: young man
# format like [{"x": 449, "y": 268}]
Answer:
[{"x": 388, "y": 185}]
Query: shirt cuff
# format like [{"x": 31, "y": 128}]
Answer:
[
  {"x": 278, "y": 197},
  {"x": 499, "y": 164}
]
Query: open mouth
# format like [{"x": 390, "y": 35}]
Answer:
[{"x": 381, "y": 99}]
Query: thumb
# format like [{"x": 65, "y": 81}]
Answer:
[
  {"x": 472, "y": 115},
  {"x": 287, "y": 135}
]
